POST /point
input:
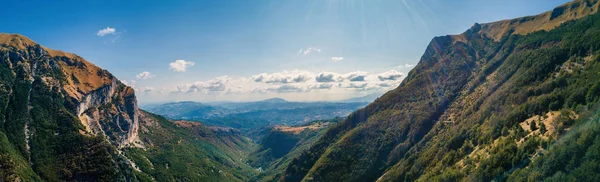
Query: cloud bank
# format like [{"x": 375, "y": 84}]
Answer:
[{"x": 295, "y": 82}]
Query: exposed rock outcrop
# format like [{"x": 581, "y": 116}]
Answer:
[{"x": 103, "y": 104}]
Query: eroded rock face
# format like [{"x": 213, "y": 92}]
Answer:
[
  {"x": 111, "y": 111},
  {"x": 105, "y": 106}
]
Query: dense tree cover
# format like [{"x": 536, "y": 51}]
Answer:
[
  {"x": 277, "y": 149},
  {"x": 195, "y": 153},
  {"x": 458, "y": 114},
  {"x": 572, "y": 158}
]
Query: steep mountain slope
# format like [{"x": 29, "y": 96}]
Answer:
[
  {"x": 189, "y": 151},
  {"x": 467, "y": 110},
  {"x": 58, "y": 110},
  {"x": 282, "y": 144},
  {"x": 64, "y": 119}
]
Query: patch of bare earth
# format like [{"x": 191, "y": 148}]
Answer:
[{"x": 300, "y": 129}]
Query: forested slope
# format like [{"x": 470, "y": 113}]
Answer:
[{"x": 474, "y": 107}]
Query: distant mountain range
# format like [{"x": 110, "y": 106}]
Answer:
[
  {"x": 252, "y": 115},
  {"x": 367, "y": 98}
]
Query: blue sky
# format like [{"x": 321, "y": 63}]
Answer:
[{"x": 251, "y": 50}]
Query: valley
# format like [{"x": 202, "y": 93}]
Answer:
[
  {"x": 252, "y": 117},
  {"x": 511, "y": 100}
]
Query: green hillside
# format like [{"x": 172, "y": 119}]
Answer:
[
  {"x": 513, "y": 100},
  {"x": 282, "y": 144},
  {"x": 470, "y": 110},
  {"x": 64, "y": 119},
  {"x": 189, "y": 151}
]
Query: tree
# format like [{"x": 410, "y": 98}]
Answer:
[
  {"x": 533, "y": 126},
  {"x": 542, "y": 128}
]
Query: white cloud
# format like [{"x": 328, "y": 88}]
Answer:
[
  {"x": 320, "y": 86},
  {"x": 357, "y": 76},
  {"x": 329, "y": 77},
  {"x": 130, "y": 83},
  {"x": 106, "y": 31},
  {"x": 283, "y": 77},
  {"x": 219, "y": 85},
  {"x": 297, "y": 87},
  {"x": 390, "y": 75},
  {"x": 309, "y": 50},
  {"x": 180, "y": 65},
  {"x": 146, "y": 90},
  {"x": 289, "y": 88},
  {"x": 288, "y": 82},
  {"x": 144, "y": 75},
  {"x": 111, "y": 34},
  {"x": 353, "y": 85},
  {"x": 336, "y": 59},
  {"x": 406, "y": 66}
]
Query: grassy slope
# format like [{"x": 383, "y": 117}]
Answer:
[
  {"x": 480, "y": 90},
  {"x": 198, "y": 153},
  {"x": 277, "y": 149},
  {"x": 546, "y": 71},
  {"x": 574, "y": 157},
  {"x": 39, "y": 136}
]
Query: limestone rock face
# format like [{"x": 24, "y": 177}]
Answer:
[
  {"x": 105, "y": 106},
  {"x": 111, "y": 111}
]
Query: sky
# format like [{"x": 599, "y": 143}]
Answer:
[{"x": 243, "y": 50}]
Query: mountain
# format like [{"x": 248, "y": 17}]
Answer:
[
  {"x": 282, "y": 144},
  {"x": 61, "y": 115},
  {"x": 513, "y": 100},
  {"x": 367, "y": 98},
  {"x": 188, "y": 151},
  {"x": 187, "y": 110},
  {"x": 494, "y": 103},
  {"x": 274, "y": 100},
  {"x": 251, "y": 116},
  {"x": 65, "y": 119}
]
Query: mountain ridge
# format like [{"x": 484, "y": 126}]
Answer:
[
  {"x": 65, "y": 119},
  {"x": 462, "y": 84},
  {"x": 545, "y": 21}
]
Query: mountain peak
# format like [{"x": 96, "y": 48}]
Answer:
[
  {"x": 275, "y": 100},
  {"x": 546, "y": 21},
  {"x": 19, "y": 41},
  {"x": 85, "y": 86},
  {"x": 16, "y": 40},
  {"x": 86, "y": 77}
]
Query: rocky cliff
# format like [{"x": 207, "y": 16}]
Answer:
[
  {"x": 103, "y": 104},
  {"x": 65, "y": 119}
]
